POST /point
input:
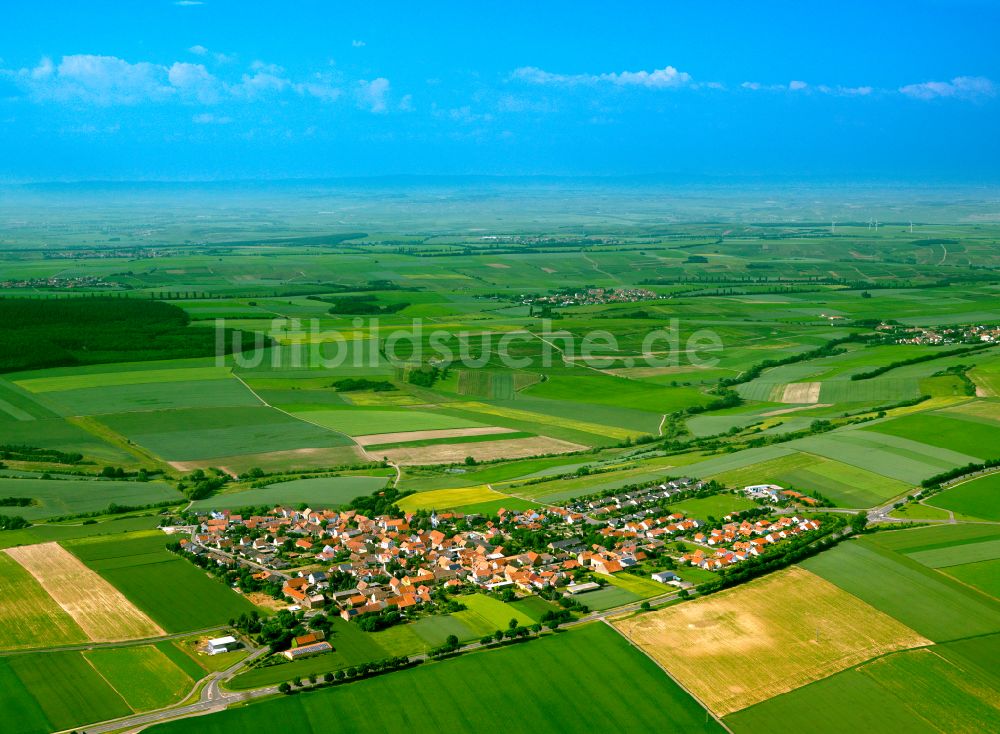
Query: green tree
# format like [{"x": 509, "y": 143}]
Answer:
[{"x": 859, "y": 522}]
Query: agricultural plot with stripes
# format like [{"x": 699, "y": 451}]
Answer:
[{"x": 859, "y": 371}]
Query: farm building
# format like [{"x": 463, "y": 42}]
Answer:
[
  {"x": 665, "y": 577},
  {"x": 305, "y": 651},
  {"x": 223, "y": 644}
]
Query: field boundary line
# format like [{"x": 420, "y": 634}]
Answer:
[
  {"x": 103, "y": 432},
  {"x": 666, "y": 672},
  {"x": 298, "y": 418},
  {"x": 83, "y": 646}
]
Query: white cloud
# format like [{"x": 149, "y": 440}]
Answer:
[
  {"x": 195, "y": 81},
  {"x": 320, "y": 87},
  {"x": 358, "y": 44},
  {"x": 199, "y": 50},
  {"x": 266, "y": 80},
  {"x": 797, "y": 85},
  {"x": 188, "y": 3},
  {"x": 665, "y": 78},
  {"x": 372, "y": 94},
  {"x": 961, "y": 87},
  {"x": 406, "y": 103},
  {"x": 846, "y": 91},
  {"x": 101, "y": 80}
]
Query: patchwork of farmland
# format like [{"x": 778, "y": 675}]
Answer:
[
  {"x": 99, "y": 609},
  {"x": 942, "y": 689},
  {"x": 177, "y": 595},
  {"x": 933, "y": 604},
  {"x": 48, "y": 691},
  {"x": 844, "y": 484},
  {"x": 562, "y": 664},
  {"x": 899, "y": 458},
  {"x": 29, "y": 617},
  {"x": 202, "y": 433},
  {"x": 895, "y": 630},
  {"x": 971, "y": 438},
  {"x": 746, "y": 645}
]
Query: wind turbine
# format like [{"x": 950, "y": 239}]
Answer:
[
  {"x": 833, "y": 227},
  {"x": 911, "y": 227}
]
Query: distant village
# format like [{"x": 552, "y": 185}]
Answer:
[
  {"x": 74, "y": 283},
  {"x": 354, "y": 565},
  {"x": 961, "y": 334},
  {"x": 592, "y": 297}
]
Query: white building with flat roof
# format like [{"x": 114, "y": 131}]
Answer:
[{"x": 222, "y": 644}]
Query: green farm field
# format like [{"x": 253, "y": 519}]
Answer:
[
  {"x": 68, "y": 689},
  {"x": 560, "y": 663},
  {"x": 903, "y": 459},
  {"x": 56, "y": 497},
  {"x": 152, "y": 396},
  {"x": 202, "y": 433},
  {"x": 934, "y": 537},
  {"x": 919, "y": 597},
  {"x": 978, "y": 499},
  {"x": 29, "y": 617},
  {"x": 48, "y": 532},
  {"x": 63, "y": 379},
  {"x": 145, "y": 677},
  {"x": 326, "y": 492},
  {"x": 934, "y": 690},
  {"x": 982, "y": 575},
  {"x": 844, "y": 484},
  {"x": 968, "y": 437},
  {"x": 175, "y": 593},
  {"x": 485, "y": 615},
  {"x": 986, "y": 550},
  {"x": 23, "y": 714},
  {"x": 360, "y": 422},
  {"x": 716, "y": 506}
]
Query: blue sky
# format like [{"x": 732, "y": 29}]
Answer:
[{"x": 227, "y": 90}]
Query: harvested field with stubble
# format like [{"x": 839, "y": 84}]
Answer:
[
  {"x": 746, "y": 645},
  {"x": 514, "y": 448},
  {"x": 400, "y": 436},
  {"x": 101, "y": 611},
  {"x": 801, "y": 392}
]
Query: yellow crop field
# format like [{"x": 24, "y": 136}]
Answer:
[
  {"x": 547, "y": 420},
  {"x": 133, "y": 377},
  {"x": 445, "y": 498},
  {"x": 101, "y": 611},
  {"x": 775, "y": 634},
  {"x": 801, "y": 392}
]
